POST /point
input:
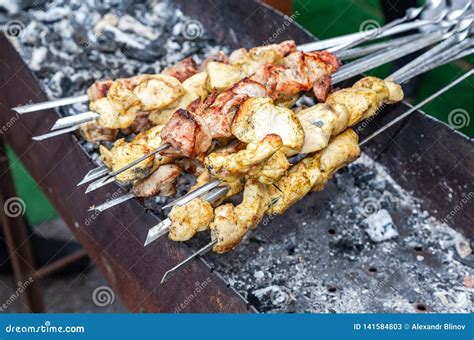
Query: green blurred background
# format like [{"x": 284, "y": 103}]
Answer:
[{"x": 325, "y": 19}]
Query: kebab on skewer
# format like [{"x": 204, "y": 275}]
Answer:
[
  {"x": 264, "y": 160},
  {"x": 385, "y": 91},
  {"x": 231, "y": 223},
  {"x": 368, "y": 63}
]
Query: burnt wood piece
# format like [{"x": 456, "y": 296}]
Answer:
[
  {"x": 114, "y": 239},
  {"x": 17, "y": 239}
]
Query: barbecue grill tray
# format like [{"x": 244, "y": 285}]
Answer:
[{"x": 114, "y": 239}]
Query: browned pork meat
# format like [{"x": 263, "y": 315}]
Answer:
[
  {"x": 182, "y": 70},
  {"x": 187, "y": 133},
  {"x": 161, "y": 182},
  {"x": 219, "y": 111}
]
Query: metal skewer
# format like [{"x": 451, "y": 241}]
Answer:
[
  {"x": 110, "y": 177},
  {"x": 209, "y": 246},
  {"x": 162, "y": 228}
]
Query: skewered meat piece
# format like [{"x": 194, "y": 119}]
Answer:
[
  {"x": 119, "y": 109},
  {"x": 259, "y": 117},
  {"x": 254, "y": 59},
  {"x": 222, "y": 76},
  {"x": 187, "y": 133},
  {"x": 94, "y": 133},
  {"x": 190, "y": 218},
  {"x": 157, "y": 91},
  {"x": 190, "y": 132},
  {"x": 182, "y": 70},
  {"x": 299, "y": 72},
  {"x": 219, "y": 111},
  {"x": 270, "y": 171},
  {"x": 223, "y": 166},
  {"x": 160, "y": 182},
  {"x": 194, "y": 87},
  {"x": 314, "y": 171},
  {"x": 345, "y": 108},
  {"x": 219, "y": 57},
  {"x": 123, "y": 152},
  {"x": 231, "y": 222}
]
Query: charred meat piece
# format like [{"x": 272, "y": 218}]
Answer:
[
  {"x": 161, "y": 182},
  {"x": 219, "y": 111},
  {"x": 182, "y": 70},
  {"x": 187, "y": 133}
]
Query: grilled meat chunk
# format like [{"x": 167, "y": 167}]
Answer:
[
  {"x": 157, "y": 91},
  {"x": 95, "y": 133},
  {"x": 161, "y": 182},
  {"x": 314, "y": 171},
  {"x": 259, "y": 117},
  {"x": 187, "y": 133},
  {"x": 182, "y": 70},
  {"x": 190, "y": 218},
  {"x": 218, "y": 111},
  {"x": 231, "y": 223},
  {"x": 223, "y": 166},
  {"x": 194, "y": 87}
]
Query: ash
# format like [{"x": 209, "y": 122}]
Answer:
[
  {"x": 362, "y": 245},
  {"x": 320, "y": 258},
  {"x": 69, "y": 44}
]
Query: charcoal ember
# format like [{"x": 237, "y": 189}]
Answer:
[
  {"x": 80, "y": 36},
  {"x": 344, "y": 180},
  {"x": 147, "y": 55},
  {"x": 348, "y": 241},
  {"x": 106, "y": 42}
]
